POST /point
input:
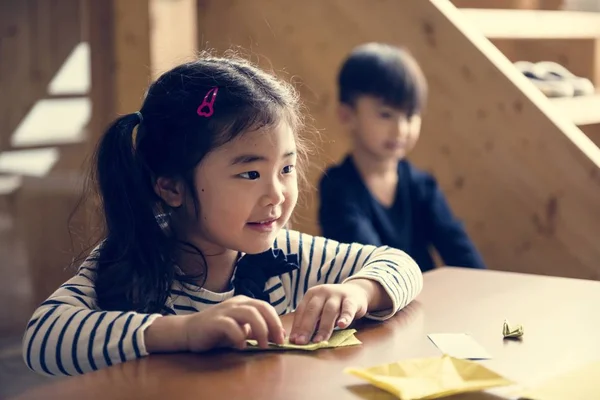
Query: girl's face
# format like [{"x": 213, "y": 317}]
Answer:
[{"x": 247, "y": 190}]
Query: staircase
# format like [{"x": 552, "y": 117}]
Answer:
[
  {"x": 526, "y": 32},
  {"x": 42, "y": 140}
]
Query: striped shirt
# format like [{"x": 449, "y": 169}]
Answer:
[{"x": 68, "y": 334}]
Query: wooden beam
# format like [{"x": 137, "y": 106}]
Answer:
[
  {"x": 119, "y": 33},
  {"x": 131, "y": 42},
  {"x": 174, "y": 33}
]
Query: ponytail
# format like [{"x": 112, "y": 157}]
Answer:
[{"x": 135, "y": 269}]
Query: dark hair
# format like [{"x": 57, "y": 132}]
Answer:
[
  {"x": 386, "y": 72},
  {"x": 136, "y": 259}
]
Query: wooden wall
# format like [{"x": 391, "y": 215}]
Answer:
[
  {"x": 526, "y": 182},
  {"x": 36, "y": 37}
]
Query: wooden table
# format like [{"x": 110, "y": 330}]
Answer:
[{"x": 560, "y": 316}]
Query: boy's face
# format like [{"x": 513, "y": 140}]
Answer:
[{"x": 380, "y": 130}]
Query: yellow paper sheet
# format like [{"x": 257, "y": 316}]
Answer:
[
  {"x": 580, "y": 384},
  {"x": 340, "y": 338},
  {"x": 509, "y": 331},
  {"x": 430, "y": 378}
]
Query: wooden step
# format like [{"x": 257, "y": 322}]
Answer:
[
  {"x": 9, "y": 184},
  {"x": 582, "y": 110},
  {"x": 534, "y": 24}
]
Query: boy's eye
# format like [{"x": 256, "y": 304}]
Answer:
[
  {"x": 385, "y": 114},
  {"x": 252, "y": 175},
  {"x": 288, "y": 169}
]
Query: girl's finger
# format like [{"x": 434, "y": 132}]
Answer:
[
  {"x": 249, "y": 315},
  {"x": 305, "y": 327},
  {"x": 347, "y": 314},
  {"x": 329, "y": 317},
  {"x": 275, "y": 329},
  {"x": 298, "y": 315},
  {"x": 233, "y": 334}
]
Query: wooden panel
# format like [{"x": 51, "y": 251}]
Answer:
[
  {"x": 42, "y": 208},
  {"x": 593, "y": 132},
  {"x": 36, "y": 36},
  {"x": 525, "y": 181}
]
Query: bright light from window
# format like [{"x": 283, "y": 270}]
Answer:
[
  {"x": 9, "y": 183},
  {"x": 33, "y": 162},
  {"x": 53, "y": 121},
  {"x": 74, "y": 75}
]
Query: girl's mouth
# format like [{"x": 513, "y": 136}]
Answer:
[{"x": 264, "y": 225}]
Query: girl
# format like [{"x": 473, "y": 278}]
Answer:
[{"x": 195, "y": 254}]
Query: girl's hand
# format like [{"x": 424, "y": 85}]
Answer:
[
  {"x": 231, "y": 322},
  {"x": 326, "y": 306}
]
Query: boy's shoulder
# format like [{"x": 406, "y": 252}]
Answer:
[
  {"x": 415, "y": 174},
  {"x": 340, "y": 176},
  {"x": 423, "y": 182},
  {"x": 338, "y": 170}
]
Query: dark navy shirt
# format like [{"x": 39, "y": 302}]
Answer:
[{"x": 419, "y": 218}]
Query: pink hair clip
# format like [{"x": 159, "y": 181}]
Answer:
[{"x": 206, "y": 109}]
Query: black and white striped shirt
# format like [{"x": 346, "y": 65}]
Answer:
[{"x": 68, "y": 334}]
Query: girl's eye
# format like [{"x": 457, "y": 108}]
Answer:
[
  {"x": 385, "y": 114},
  {"x": 252, "y": 175},
  {"x": 288, "y": 169}
]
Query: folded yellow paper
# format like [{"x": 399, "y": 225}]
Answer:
[
  {"x": 340, "y": 338},
  {"x": 512, "y": 332},
  {"x": 431, "y": 378}
]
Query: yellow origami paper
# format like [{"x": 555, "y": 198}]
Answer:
[
  {"x": 340, "y": 338},
  {"x": 512, "y": 331},
  {"x": 431, "y": 378}
]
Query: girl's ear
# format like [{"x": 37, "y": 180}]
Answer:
[{"x": 171, "y": 190}]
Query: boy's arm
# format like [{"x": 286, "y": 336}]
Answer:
[
  {"x": 341, "y": 217},
  {"x": 448, "y": 234}
]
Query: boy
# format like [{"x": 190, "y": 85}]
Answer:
[{"x": 375, "y": 196}]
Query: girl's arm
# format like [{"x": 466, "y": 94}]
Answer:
[
  {"x": 69, "y": 335},
  {"x": 323, "y": 261}
]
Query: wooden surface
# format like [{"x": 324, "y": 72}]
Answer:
[
  {"x": 560, "y": 317},
  {"x": 534, "y": 24},
  {"x": 580, "y": 56},
  {"x": 523, "y": 178},
  {"x": 583, "y": 110}
]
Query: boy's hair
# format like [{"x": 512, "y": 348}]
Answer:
[
  {"x": 135, "y": 261},
  {"x": 387, "y": 72}
]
